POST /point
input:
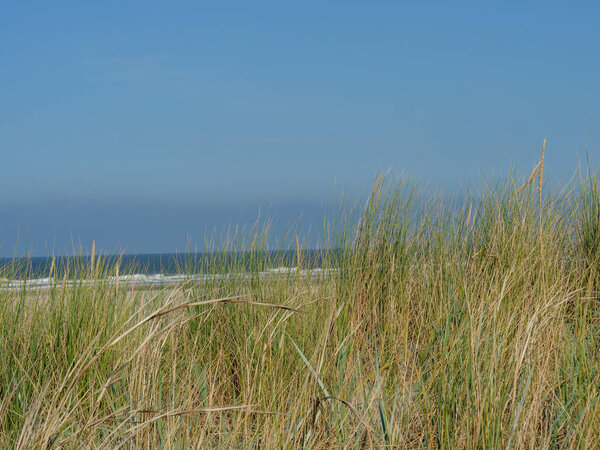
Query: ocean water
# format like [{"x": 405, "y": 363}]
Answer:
[{"x": 160, "y": 269}]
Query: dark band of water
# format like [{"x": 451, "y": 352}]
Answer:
[{"x": 166, "y": 263}]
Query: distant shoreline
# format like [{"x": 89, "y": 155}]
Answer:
[
  {"x": 164, "y": 263},
  {"x": 159, "y": 280}
]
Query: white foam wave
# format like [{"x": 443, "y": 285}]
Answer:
[{"x": 139, "y": 279}]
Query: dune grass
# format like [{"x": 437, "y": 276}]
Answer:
[{"x": 472, "y": 324}]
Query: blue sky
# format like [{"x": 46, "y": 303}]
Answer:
[{"x": 144, "y": 124}]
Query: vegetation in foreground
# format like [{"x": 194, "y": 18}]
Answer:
[{"x": 471, "y": 325}]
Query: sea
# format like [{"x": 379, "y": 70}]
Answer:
[{"x": 156, "y": 269}]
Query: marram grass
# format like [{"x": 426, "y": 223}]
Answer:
[{"x": 473, "y": 324}]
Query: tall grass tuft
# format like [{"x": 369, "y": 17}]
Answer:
[
  {"x": 588, "y": 215},
  {"x": 470, "y": 322}
]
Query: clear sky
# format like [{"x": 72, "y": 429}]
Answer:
[{"x": 141, "y": 124}]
